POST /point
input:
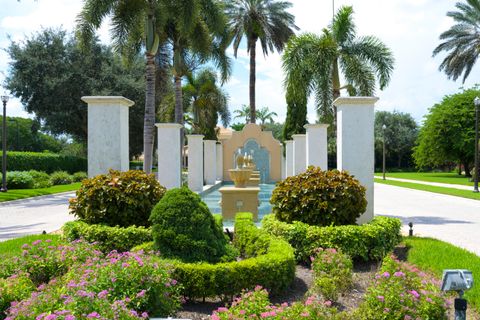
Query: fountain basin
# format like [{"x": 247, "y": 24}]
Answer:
[{"x": 240, "y": 177}]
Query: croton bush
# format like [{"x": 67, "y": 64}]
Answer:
[
  {"x": 321, "y": 198},
  {"x": 117, "y": 198}
]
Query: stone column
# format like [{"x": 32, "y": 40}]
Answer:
[
  {"x": 210, "y": 161},
  {"x": 355, "y": 143},
  {"x": 195, "y": 162},
  {"x": 169, "y": 157},
  {"x": 288, "y": 158},
  {"x": 219, "y": 161},
  {"x": 317, "y": 148},
  {"x": 107, "y": 134},
  {"x": 299, "y": 153}
]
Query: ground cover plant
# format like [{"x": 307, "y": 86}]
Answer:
[
  {"x": 117, "y": 198},
  {"x": 440, "y": 177},
  {"x": 442, "y": 190},
  {"x": 322, "y": 198}
]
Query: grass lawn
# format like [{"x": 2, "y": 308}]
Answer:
[
  {"x": 448, "y": 191},
  {"x": 441, "y": 177},
  {"x": 436, "y": 255},
  {"x": 14, "y": 247},
  {"x": 15, "y": 194}
]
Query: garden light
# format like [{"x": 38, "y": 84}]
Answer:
[
  {"x": 4, "y": 99},
  {"x": 459, "y": 281}
]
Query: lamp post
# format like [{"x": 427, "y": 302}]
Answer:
[
  {"x": 383, "y": 135},
  {"x": 476, "y": 172},
  {"x": 4, "y": 98}
]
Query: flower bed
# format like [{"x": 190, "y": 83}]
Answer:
[
  {"x": 371, "y": 241},
  {"x": 269, "y": 262}
]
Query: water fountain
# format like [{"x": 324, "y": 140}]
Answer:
[{"x": 243, "y": 196}]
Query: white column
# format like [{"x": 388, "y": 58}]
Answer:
[
  {"x": 210, "y": 161},
  {"x": 107, "y": 134},
  {"x": 169, "y": 157},
  {"x": 195, "y": 162},
  {"x": 317, "y": 148},
  {"x": 355, "y": 143},
  {"x": 299, "y": 153},
  {"x": 219, "y": 161},
  {"x": 289, "y": 158}
]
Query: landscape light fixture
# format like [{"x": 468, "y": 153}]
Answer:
[
  {"x": 383, "y": 135},
  {"x": 459, "y": 281},
  {"x": 476, "y": 170},
  {"x": 5, "y": 99}
]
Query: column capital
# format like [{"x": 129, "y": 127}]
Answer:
[
  {"x": 316, "y": 126},
  {"x": 354, "y": 101},
  {"x": 195, "y": 136},
  {"x": 168, "y": 125},
  {"x": 108, "y": 100},
  {"x": 298, "y": 136}
]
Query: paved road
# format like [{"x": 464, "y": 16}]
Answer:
[
  {"x": 452, "y": 219},
  {"x": 34, "y": 215}
]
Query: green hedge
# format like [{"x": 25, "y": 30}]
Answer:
[
  {"x": 371, "y": 241},
  {"x": 108, "y": 238},
  {"x": 274, "y": 270},
  {"x": 47, "y": 162}
]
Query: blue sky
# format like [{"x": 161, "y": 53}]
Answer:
[{"x": 409, "y": 27}]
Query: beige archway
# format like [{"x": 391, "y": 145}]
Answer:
[{"x": 265, "y": 140}]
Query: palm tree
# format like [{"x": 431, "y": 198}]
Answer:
[
  {"x": 314, "y": 64},
  {"x": 243, "y": 112},
  {"x": 265, "y": 115},
  {"x": 206, "y": 101},
  {"x": 136, "y": 24},
  {"x": 264, "y": 20},
  {"x": 462, "y": 40}
]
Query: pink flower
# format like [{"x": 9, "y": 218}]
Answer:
[
  {"x": 222, "y": 309},
  {"x": 399, "y": 274},
  {"x": 386, "y": 274},
  {"x": 34, "y": 243},
  {"x": 141, "y": 294},
  {"x": 414, "y": 293},
  {"x": 328, "y": 303},
  {"x": 93, "y": 315},
  {"x": 381, "y": 298}
]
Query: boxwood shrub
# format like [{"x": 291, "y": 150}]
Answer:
[
  {"x": 19, "y": 180},
  {"x": 42, "y": 161},
  {"x": 371, "y": 241},
  {"x": 108, "y": 238},
  {"x": 272, "y": 267}
]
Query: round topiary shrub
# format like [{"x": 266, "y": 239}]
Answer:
[
  {"x": 117, "y": 198},
  {"x": 321, "y": 198},
  {"x": 60, "y": 178},
  {"x": 184, "y": 228}
]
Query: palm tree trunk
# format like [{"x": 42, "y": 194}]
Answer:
[
  {"x": 178, "y": 100},
  {"x": 252, "y": 44},
  {"x": 149, "y": 120},
  {"x": 336, "y": 80}
]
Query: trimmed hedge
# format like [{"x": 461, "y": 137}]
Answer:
[
  {"x": 108, "y": 238},
  {"x": 48, "y": 162},
  {"x": 274, "y": 270},
  {"x": 371, "y": 241}
]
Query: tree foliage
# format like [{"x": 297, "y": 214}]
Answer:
[
  {"x": 448, "y": 132},
  {"x": 49, "y": 74},
  {"x": 461, "y": 41},
  {"x": 401, "y": 133}
]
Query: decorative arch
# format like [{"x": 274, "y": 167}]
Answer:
[{"x": 267, "y": 152}]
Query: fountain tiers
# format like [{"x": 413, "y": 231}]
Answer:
[{"x": 239, "y": 200}]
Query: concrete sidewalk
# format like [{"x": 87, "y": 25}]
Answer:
[
  {"x": 452, "y": 219},
  {"x": 435, "y": 184}
]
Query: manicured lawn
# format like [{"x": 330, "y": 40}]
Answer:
[
  {"x": 448, "y": 191},
  {"x": 14, "y": 247},
  {"x": 16, "y": 194},
  {"x": 441, "y": 177},
  {"x": 436, "y": 255}
]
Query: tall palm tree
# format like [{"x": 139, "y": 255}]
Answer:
[
  {"x": 264, "y": 115},
  {"x": 243, "y": 112},
  {"x": 315, "y": 64},
  {"x": 206, "y": 101},
  {"x": 462, "y": 40},
  {"x": 264, "y": 20}
]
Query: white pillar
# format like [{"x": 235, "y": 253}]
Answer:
[
  {"x": 317, "y": 148},
  {"x": 289, "y": 158},
  {"x": 210, "y": 161},
  {"x": 299, "y": 153},
  {"x": 169, "y": 157},
  {"x": 107, "y": 134},
  {"x": 195, "y": 162},
  {"x": 355, "y": 143},
  {"x": 219, "y": 161}
]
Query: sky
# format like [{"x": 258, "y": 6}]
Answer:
[{"x": 410, "y": 28}]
